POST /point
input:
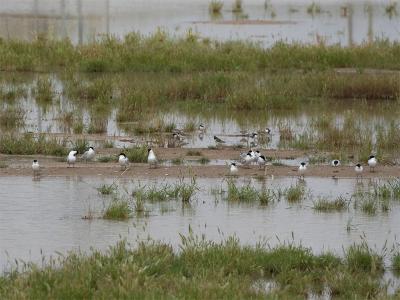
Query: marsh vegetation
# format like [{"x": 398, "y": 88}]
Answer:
[{"x": 145, "y": 271}]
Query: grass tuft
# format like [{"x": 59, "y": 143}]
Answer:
[
  {"x": 136, "y": 154},
  {"x": 107, "y": 189},
  {"x": 237, "y": 6},
  {"x": 28, "y": 144},
  {"x": 396, "y": 263},
  {"x": 80, "y": 145},
  {"x": 118, "y": 209},
  {"x": 247, "y": 193},
  {"x": 44, "y": 91},
  {"x": 215, "y": 6},
  {"x": 190, "y": 127},
  {"x": 313, "y": 9},
  {"x": 326, "y": 205},
  {"x": 369, "y": 206},
  {"x": 180, "y": 191},
  {"x": 295, "y": 193},
  {"x": 362, "y": 258}
]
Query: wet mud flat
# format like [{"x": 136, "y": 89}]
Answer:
[
  {"x": 143, "y": 171},
  {"x": 282, "y": 163}
]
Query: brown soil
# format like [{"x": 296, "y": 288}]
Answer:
[
  {"x": 143, "y": 171},
  {"x": 50, "y": 166},
  {"x": 220, "y": 153}
]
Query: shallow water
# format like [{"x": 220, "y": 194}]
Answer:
[
  {"x": 42, "y": 217},
  {"x": 234, "y": 127},
  {"x": 84, "y": 20}
]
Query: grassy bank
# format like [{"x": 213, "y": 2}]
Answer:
[
  {"x": 201, "y": 270},
  {"x": 160, "y": 52},
  {"x": 28, "y": 144}
]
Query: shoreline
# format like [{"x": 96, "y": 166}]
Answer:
[{"x": 143, "y": 171}]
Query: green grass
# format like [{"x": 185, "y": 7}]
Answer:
[
  {"x": 244, "y": 90},
  {"x": 396, "y": 263},
  {"x": 136, "y": 154},
  {"x": 12, "y": 93},
  {"x": 247, "y": 193},
  {"x": 361, "y": 257},
  {"x": 190, "y": 127},
  {"x": 97, "y": 127},
  {"x": 369, "y": 206},
  {"x": 295, "y": 193},
  {"x": 162, "y": 52},
  {"x": 106, "y": 159},
  {"x": 266, "y": 197},
  {"x": 139, "y": 206},
  {"x": 326, "y": 205},
  {"x": 389, "y": 190},
  {"x": 180, "y": 190},
  {"x": 201, "y": 269},
  {"x": 44, "y": 92},
  {"x": 313, "y": 9},
  {"x": 187, "y": 190},
  {"x": 237, "y": 6},
  {"x": 29, "y": 144},
  {"x": 391, "y": 9},
  {"x": 154, "y": 193},
  {"x": 107, "y": 189},
  {"x": 100, "y": 88},
  {"x": 323, "y": 135},
  {"x": 118, "y": 209},
  {"x": 80, "y": 145},
  {"x": 108, "y": 144},
  {"x": 215, "y": 6},
  {"x": 78, "y": 127}
]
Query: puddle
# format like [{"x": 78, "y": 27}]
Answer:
[
  {"x": 335, "y": 22},
  {"x": 46, "y": 216}
]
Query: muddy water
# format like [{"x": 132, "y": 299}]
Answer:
[
  {"x": 46, "y": 216},
  {"x": 335, "y": 22}
]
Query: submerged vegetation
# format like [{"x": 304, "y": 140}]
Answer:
[{"x": 201, "y": 269}]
